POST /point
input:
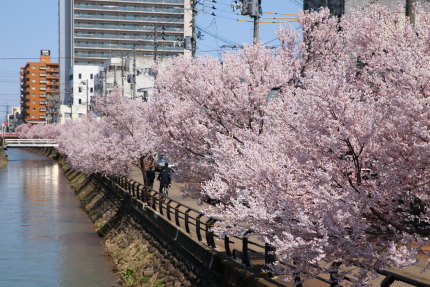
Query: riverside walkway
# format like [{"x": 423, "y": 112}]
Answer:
[{"x": 251, "y": 252}]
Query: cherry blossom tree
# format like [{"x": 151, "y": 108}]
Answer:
[
  {"x": 43, "y": 131},
  {"x": 113, "y": 144},
  {"x": 22, "y": 130},
  {"x": 198, "y": 99},
  {"x": 333, "y": 167}
]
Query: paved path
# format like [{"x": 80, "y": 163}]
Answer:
[{"x": 176, "y": 194}]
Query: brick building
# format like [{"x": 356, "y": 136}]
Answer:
[{"x": 40, "y": 83}]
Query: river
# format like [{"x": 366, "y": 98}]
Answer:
[{"x": 45, "y": 237}]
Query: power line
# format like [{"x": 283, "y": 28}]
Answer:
[{"x": 216, "y": 36}]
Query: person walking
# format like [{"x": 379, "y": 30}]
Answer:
[
  {"x": 150, "y": 176},
  {"x": 147, "y": 165},
  {"x": 165, "y": 179}
]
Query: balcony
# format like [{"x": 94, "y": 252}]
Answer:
[
  {"x": 158, "y": 9},
  {"x": 158, "y": 3},
  {"x": 140, "y": 37},
  {"x": 42, "y": 109},
  {"x": 53, "y": 76},
  {"x": 42, "y": 67},
  {"x": 43, "y": 88},
  {"x": 125, "y": 27},
  {"x": 129, "y": 18}
]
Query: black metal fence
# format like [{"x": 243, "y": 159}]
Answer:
[{"x": 241, "y": 249}]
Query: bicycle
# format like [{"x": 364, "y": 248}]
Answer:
[{"x": 165, "y": 191}]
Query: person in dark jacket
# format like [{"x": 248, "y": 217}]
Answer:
[
  {"x": 150, "y": 176},
  {"x": 164, "y": 177}
]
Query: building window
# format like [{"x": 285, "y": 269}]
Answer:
[
  {"x": 33, "y": 74},
  {"x": 33, "y": 117},
  {"x": 80, "y": 76},
  {"x": 33, "y": 95},
  {"x": 33, "y": 109},
  {"x": 33, "y": 88},
  {"x": 80, "y": 90},
  {"x": 91, "y": 76},
  {"x": 80, "y": 101},
  {"x": 33, "y": 67},
  {"x": 91, "y": 90},
  {"x": 33, "y": 102}
]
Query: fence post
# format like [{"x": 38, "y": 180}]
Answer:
[
  {"x": 245, "y": 257},
  {"x": 334, "y": 278},
  {"x": 139, "y": 191},
  {"x": 199, "y": 235},
  {"x": 136, "y": 189},
  {"x": 168, "y": 210},
  {"x": 154, "y": 206},
  {"x": 227, "y": 245},
  {"x": 177, "y": 215},
  {"x": 160, "y": 205},
  {"x": 187, "y": 216},
  {"x": 209, "y": 233}
]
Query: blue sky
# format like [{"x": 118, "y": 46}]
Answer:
[{"x": 31, "y": 25}]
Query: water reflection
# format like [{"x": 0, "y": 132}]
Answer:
[{"x": 46, "y": 239}]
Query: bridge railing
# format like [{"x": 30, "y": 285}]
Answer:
[{"x": 245, "y": 249}]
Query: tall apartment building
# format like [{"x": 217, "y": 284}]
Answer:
[
  {"x": 40, "y": 83},
  {"x": 93, "y": 31}
]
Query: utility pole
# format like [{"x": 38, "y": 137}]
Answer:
[
  {"x": 193, "y": 27},
  {"x": 122, "y": 74},
  {"x": 256, "y": 36},
  {"x": 252, "y": 8},
  {"x": 155, "y": 43},
  {"x": 133, "y": 80},
  {"x": 410, "y": 10},
  {"x": 88, "y": 100},
  {"x": 115, "y": 83}
]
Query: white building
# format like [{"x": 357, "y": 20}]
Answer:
[
  {"x": 78, "y": 97},
  {"x": 93, "y": 31},
  {"x": 119, "y": 73}
]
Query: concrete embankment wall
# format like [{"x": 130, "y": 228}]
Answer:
[
  {"x": 3, "y": 158},
  {"x": 147, "y": 249}
]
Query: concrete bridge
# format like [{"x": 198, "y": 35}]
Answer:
[{"x": 29, "y": 143}]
